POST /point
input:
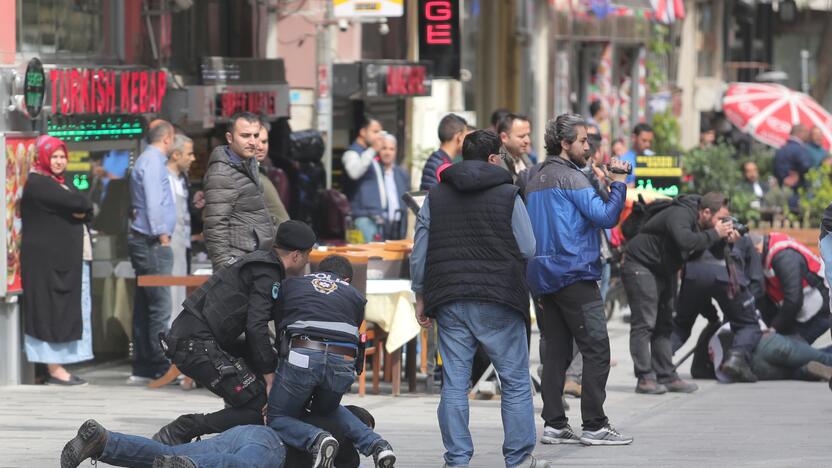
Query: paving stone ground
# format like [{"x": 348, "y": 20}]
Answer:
[{"x": 767, "y": 424}]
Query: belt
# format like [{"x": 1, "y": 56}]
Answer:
[
  {"x": 143, "y": 235},
  {"x": 323, "y": 346}
]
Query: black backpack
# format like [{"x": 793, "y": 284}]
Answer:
[{"x": 642, "y": 212}]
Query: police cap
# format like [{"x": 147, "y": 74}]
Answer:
[{"x": 294, "y": 235}]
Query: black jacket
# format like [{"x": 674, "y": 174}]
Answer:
[
  {"x": 240, "y": 297},
  {"x": 710, "y": 264},
  {"x": 51, "y": 259},
  {"x": 322, "y": 306},
  {"x": 472, "y": 253},
  {"x": 670, "y": 237}
]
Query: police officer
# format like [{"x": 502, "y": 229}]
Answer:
[
  {"x": 318, "y": 321},
  {"x": 238, "y": 298}
]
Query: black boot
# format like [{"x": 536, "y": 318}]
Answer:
[
  {"x": 181, "y": 430},
  {"x": 88, "y": 443},
  {"x": 736, "y": 367}
]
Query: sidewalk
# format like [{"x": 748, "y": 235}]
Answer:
[{"x": 771, "y": 424}]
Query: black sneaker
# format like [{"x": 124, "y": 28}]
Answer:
[
  {"x": 383, "y": 455},
  {"x": 180, "y": 431},
  {"x": 605, "y": 436},
  {"x": 324, "y": 449},
  {"x": 559, "y": 436},
  {"x": 88, "y": 443},
  {"x": 169, "y": 461}
]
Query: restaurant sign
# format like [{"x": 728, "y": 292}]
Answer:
[{"x": 106, "y": 91}]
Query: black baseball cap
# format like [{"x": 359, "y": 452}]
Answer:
[{"x": 294, "y": 235}]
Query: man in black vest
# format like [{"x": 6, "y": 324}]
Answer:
[
  {"x": 238, "y": 298},
  {"x": 468, "y": 272},
  {"x": 318, "y": 326}
]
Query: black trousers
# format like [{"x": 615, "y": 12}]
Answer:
[
  {"x": 226, "y": 376},
  {"x": 651, "y": 300},
  {"x": 575, "y": 312},
  {"x": 695, "y": 298}
]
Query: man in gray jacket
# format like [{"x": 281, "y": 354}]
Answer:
[{"x": 235, "y": 215}]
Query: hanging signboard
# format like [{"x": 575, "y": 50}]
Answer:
[
  {"x": 34, "y": 88},
  {"x": 367, "y": 8},
  {"x": 439, "y": 36}
]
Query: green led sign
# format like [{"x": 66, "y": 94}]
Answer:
[
  {"x": 96, "y": 128},
  {"x": 34, "y": 88},
  {"x": 80, "y": 182}
]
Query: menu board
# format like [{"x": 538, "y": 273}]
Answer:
[
  {"x": 662, "y": 173},
  {"x": 18, "y": 156}
]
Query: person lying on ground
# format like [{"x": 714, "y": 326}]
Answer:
[{"x": 248, "y": 445}]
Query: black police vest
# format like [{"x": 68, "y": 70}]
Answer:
[
  {"x": 222, "y": 302},
  {"x": 472, "y": 252},
  {"x": 320, "y": 305}
]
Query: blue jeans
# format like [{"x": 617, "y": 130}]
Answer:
[
  {"x": 327, "y": 378},
  {"x": 826, "y": 254},
  {"x": 151, "y": 306},
  {"x": 255, "y": 446},
  {"x": 502, "y": 334},
  {"x": 368, "y": 228},
  {"x": 779, "y": 357}
]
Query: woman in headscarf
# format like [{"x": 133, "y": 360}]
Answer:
[{"x": 55, "y": 266}]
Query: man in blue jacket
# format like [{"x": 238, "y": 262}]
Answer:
[
  {"x": 791, "y": 163},
  {"x": 567, "y": 214},
  {"x": 364, "y": 184}
]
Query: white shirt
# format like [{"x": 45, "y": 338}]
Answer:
[{"x": 392, "y": 195}]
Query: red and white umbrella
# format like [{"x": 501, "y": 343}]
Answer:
[{"x": 768, "y": 111}]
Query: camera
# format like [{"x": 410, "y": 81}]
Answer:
[{"x": 738, "y": 226}]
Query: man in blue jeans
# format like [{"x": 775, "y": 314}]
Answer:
[
  {"x": 776, "y": 357},
  {"x": 250, "y": 446},
  {"x": 318, "y": 319},
  {"x": 468, "y": 272},
  {"x": 245, "y": 445},
  {"x": 153, "y": 222}
]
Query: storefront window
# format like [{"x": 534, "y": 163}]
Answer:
[{"x": 60, "y": 27}]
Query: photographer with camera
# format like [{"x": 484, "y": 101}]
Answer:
[
  {"x": 732, "y": 274},
  {"x": 652, "y": 259}
]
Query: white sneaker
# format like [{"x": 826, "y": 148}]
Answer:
[
  {"x": 605, "y": 436},
  {"x": 138, "y": 380},
  {"x": 562, "y": 436}
]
